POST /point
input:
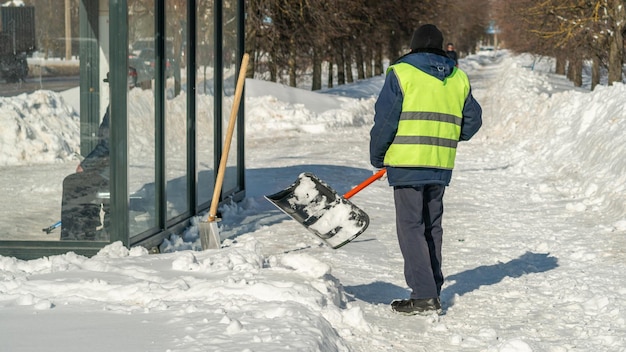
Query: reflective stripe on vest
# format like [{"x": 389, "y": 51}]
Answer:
[{"x": 430, "y": 122}]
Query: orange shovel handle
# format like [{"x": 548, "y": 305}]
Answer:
[{"x": 365, "y": 183}]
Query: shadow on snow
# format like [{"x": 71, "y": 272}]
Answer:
[
  {"x": 471, "y": 280},
  {"x": 464, "y": 282}
]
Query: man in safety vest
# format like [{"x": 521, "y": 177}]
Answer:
[{"x": 424, "y": 109}]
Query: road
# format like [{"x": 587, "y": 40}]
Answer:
[{"x": 57, "y": 84}]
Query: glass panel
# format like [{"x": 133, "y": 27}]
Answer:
[
  {"x": 175, "y": 108},
  {"x": 230, "y": 81},
  {"x": 141, "y": 116},
  {"x": 205, "y": 54},
  {"x": 54, "y": 162}
]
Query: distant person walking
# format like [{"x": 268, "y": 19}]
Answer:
[
  {"x": 424, "y": 109},
  {"x": 452, "y": 53}
]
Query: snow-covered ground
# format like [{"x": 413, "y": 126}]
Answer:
[{"x": 534, "y": 242}]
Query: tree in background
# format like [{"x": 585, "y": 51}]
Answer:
[
  {"x": 294, "y": 38},
  {"x": 50, "y": 26},
  {"x": 570, "y": 30}
]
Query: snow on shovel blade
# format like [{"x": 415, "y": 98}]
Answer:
[{"x": 321, "y": 210}]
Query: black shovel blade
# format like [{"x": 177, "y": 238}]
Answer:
[{"x": 315, "y": 205}]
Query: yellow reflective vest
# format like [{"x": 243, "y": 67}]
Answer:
[{"x": 430, "y": 122}]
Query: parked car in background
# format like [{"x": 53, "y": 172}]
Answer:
[
  {"x": 145, "y": 63},
  {"x": 143, "y": 72},
  {"x": 142, "y": 57},
  {"x": 17, "y": 41}
]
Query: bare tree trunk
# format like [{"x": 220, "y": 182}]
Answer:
[
  {"x": 251, "y": 47},
  {"x": 317, "y": 70},
  {"x": 273, "y": 67},
  {"x": 341, "y": 66},
  {"x": 291, "y": 63},
  {"x": 177, "y": 79},
  {"x": 616, "y": 61},
  {"x": 252, "y": 35},
  {"x": 394, "y": 47},
  {"x": 616, "y": 45},
  {"x": 561, "y": 62},
  {"x": 360, "y": 62},
  {"x": 616, "y": 57},
  {"x": 252, "y": 65},
  {"x": 349, "y": 75},
  {"x": 595, "y": 72},
  {"x": 575, "y": 71},
  {"x": 330, "y": 72},
  {"x": 369, "y": 64},
  {"x": 379, "y": 62},
  {"x": 68, "y": 31}
]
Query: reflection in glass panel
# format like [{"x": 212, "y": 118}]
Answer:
[
  {"x": 230, "y": 81},
  {"x": 85, "y": 211},
  {"x": 205, "y": 54},
  {"x": 141, "y": 116},
  {"x": 176, "y": 108},
  {"x": 54, "y": 162}
]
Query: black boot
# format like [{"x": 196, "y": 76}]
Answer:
[{"x": 412, "y": 306}]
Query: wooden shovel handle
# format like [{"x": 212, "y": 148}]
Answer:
[
  {"x": 229, "y": 136},
  {"x": 365, "y": 183}
]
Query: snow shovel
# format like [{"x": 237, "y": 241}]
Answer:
[
  {"x": 314, "y": 204},
  {"x": 209, "y": 232}
]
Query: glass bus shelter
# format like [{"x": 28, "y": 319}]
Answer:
[{"x": 117, "y": 110}]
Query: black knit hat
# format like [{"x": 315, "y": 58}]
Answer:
[{"x": 427, "y": 36}]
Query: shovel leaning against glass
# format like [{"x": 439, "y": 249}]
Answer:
[{"x": 329, "y": 216}]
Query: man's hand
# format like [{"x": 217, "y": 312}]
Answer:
[{"x": 377, "y": 170}]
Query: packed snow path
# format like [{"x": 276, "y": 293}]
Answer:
[{"x": 528, "y": 266}]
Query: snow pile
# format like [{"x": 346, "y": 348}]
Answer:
[
  {"x": 577, "y": 135},
  {"x": 37, "y": 128},
  {"x": 274, "y": 107},
  {"x": 239, "y": 292}
]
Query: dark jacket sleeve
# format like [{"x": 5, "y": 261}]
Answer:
[
  {"x": 98, "y": 158},
  {"x": 387, "y": 115},
  {"x": 472, "y": 118}
]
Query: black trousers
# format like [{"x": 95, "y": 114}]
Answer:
[
  {"x": 80, "y": 206},
  {"x": 419, "y": 212}
]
